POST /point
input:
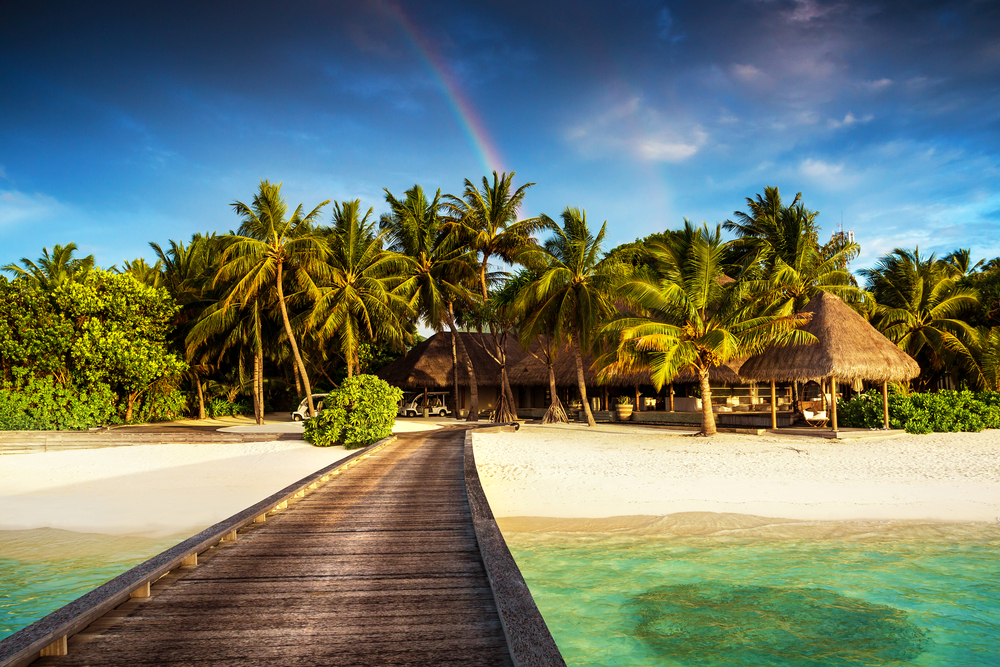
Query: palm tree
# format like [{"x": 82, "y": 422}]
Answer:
[
  {"x": 143, "y": 272},
  {"x": 439, "y": 268},
  {"x": 223, "y": 329},
  {"x": 571, "y": 293},
  {"x": 359, "y": 295},
  {"x": 782, "y": 242},
  {"x": 980, "y": 357},
  {"x": 919, "y": 304},
  {"x": 188, "y": 272},
  {"x": 959, "y": 263},
  {"x": 55, "y": 269},
  {"x": 487, "y": 222},
  {"x": 267, "y": 245},
  {"x": 688, "y": 318}
]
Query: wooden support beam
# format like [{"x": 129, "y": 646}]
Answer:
[
  {"x": 229, "y": 537},
  {"x": 281, "y": 506},
  {"x": 260, "y": 519},
  {"x": 833, "y": 403},
  {"x": 141, "y": 592},
  {"x": 58, "y": 647},
  {"x": 300, "y": 494},
  {"x": 671, "y": 396},
  {"x": 885, "y": 403},
  {"x": 774, "y": 406},
  {"x": 190, "y": 561}
]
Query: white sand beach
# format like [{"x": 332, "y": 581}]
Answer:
[
  {"x": 571, "y": 471},
  {"x": 157, "y": 490}
]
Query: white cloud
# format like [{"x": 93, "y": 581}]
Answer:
[
  {"x": 747, "y": 73},
  {"x": 880, "y": 84},
  {"x": 22, "y": 208},
  {"x": 640, "y": 131},
  {"x": 849, "y": 119}
]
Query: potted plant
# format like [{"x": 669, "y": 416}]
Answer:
[{"x": 624, "y": 407}]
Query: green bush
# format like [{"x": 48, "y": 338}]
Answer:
[
  {"x": 42, "y": 404},
  {"x": 938, "y": 412},
  {"x": 361, "y": 412}
]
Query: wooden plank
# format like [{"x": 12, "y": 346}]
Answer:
[{"x": 379, "y": 566}]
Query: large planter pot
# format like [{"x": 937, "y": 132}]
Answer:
[{"x": 624, "y": 411}]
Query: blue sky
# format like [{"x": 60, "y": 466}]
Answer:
[{"x": 124, "y": 123}]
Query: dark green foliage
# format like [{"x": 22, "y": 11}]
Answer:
[
  {"x": 104, "y": 334},
  {"x": 220, "y": 407},
  {"x": 939, "y": 412},
  {"x": 42, "y": 404},
  {"x": 361, "y": 412}
]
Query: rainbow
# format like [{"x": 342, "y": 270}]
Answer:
[{"x": 464, "y": 112}]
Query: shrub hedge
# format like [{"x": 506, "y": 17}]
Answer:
[
  {"x": 42, "y": 404},
  {"x": 360, "y": 412},
  {"x": 942, "y": 411}
]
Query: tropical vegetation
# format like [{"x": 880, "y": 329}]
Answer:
[{"x": 295, "y": 298}]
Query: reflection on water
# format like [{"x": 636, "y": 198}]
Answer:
[
  {"x": 749, "y": 594},
  {"x": 42, "y": 570}
]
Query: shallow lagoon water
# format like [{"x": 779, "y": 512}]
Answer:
[
  {"x": 892, "y": 594},
  {"x": 42, "y": 570}
]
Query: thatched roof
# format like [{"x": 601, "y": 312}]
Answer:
[
  {"x": 428, "y": 364},
  {"x": 849, "y": 348},
  {"x": 531, "y": 371}
]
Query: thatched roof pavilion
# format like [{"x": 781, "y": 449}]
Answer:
[
  {"x": 428, "y": 364},
  {"x": 531, "y": 371},
  {"x": 848, "y": 348}
]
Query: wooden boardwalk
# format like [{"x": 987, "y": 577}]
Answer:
[{"x": 378, "y": 567}]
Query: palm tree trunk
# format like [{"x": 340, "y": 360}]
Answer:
[
  {"x": 707, "y": 416},
  {"x": 260, "y": 388},
  {"x": 504, "y": 411},
  {"x": 454, "y": 366},
  {"x": 473, "y": 384},
  {"x": 298, "y": 380},
  {"x": 201, "y": 396},
  {"x": 291, "y": 339},
  {"x": 258, "y": 409},
  {"x": 556, "y": 414},
  {"x": 578, "y": 353}
]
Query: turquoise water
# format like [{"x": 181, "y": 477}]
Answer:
[
  {"x": 880, "y": 599},
  {"x": 42, "y": 570}
]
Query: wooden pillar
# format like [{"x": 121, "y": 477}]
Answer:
[
  {"x": 774, "y": 406},
  {"x": 606, "y": 406},
  {"x": 671, "y": 396},
  {"x": 833, "y": 403},
  {"x": 885, "y": 402},
  {"x": 638, "y": 407}
]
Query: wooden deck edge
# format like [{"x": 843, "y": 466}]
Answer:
[
  {"x": 23, "y": 647},
  {"x": 528, "y": 637}
]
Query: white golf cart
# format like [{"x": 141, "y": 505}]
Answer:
[
  {"x": 303, "y": 411},
  {"x": 413, "y": 404}
]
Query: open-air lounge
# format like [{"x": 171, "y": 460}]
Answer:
[{"x": 782, "y": 387}]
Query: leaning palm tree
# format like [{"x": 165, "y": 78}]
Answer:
[
  {"x": 439, "y": 272},
  {"x": 486, "y": 221},
  {"x": 267, "y": 246},
  {"x": 53, "y": 270},
  {"x": 920, "y": 305},
  {"x": 359, "y": 294},
  {"x": 572, "y": 291},
  {"x": 688, "y": 316}
]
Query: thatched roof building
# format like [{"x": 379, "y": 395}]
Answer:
[
  {"x": 531, "y": 371},
  {"x": 429, "y": 365},
  {"x": 849, "y": 349}
]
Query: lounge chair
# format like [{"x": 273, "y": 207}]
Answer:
[{"x": 815, "y": 419}]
